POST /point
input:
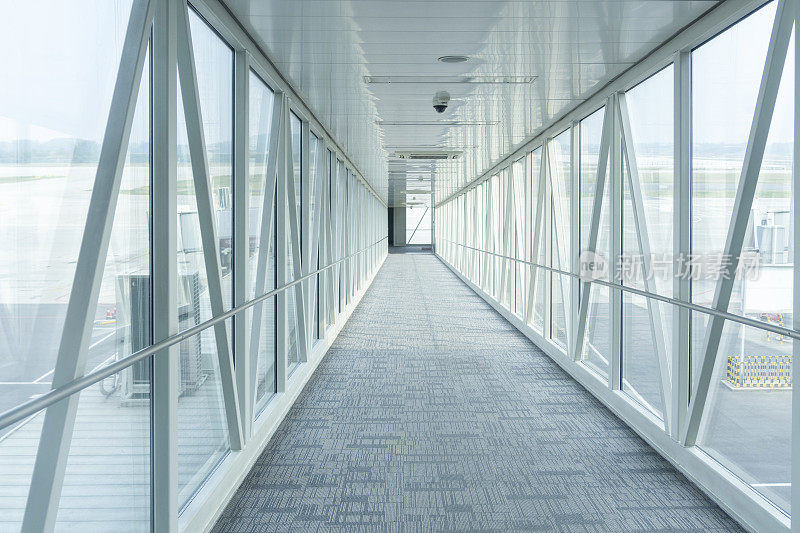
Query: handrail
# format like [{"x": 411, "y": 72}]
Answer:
[
  {"x": 666, "y": 299},
  {"x": 35, "y": 405}
]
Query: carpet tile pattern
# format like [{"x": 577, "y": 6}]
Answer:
[{"x": 432, "y": 413}]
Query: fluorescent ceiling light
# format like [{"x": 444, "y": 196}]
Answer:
[
  {"x": 453, "y": 59},
  {"x": 450, "y": 79},
  {"x": 436, "y": 122},
  {"x": 426, "y": 147}
]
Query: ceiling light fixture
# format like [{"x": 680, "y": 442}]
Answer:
[
  {"x": 392, "y": 147},
  {"x": 427, "y": 155},
  {"x": 450, "y": 79},
  {"x": 436, "y": 123},
  {"x": 453, "y": 59}
]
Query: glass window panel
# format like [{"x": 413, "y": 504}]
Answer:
[
  {"x": 486, "y": 237},
  {"x": 537, "y": 255},
  {"x": 483, "y": 236},
  {"x": 746, "y": 429},
  {"x": 540, "y": 309},
  {"x": 504, "y": 242},
  {"x": 332, "y": 273},
  {"x": 292, "y": 337},
  {"x": 646, "y": 326},
  {"x": 202, "y": 430},
  {"x": 107, "y": 477},
  {"x": 297, "y": 167},
  {"x": 748, "y": 421},
  {"x": 559, "y": 164},
  {"x": 260, "y": 109},
  {"x": 469, "y": 227},
  {"x": 650, "y": 109},
  {"x": 520, "y": 199},
  {"x": 596, "y": 350},
  {"x": 494, "y": 234},
  {"x": 591, "y": 132},
  {"x": 560, "y": 293},
  {"x": 214, "y": 60},
  {"x": 214, "y": 64},
  {"x": 341, "y": 199},
  {"x": 54, "y": 103},
  {"x": 118, "y": 496},
  {"x": 597, "y": 340},
  {"x": 641, "y": 371},
  {"x": 202, "y": 434},
  {"x": 478, "y": 241},
  {"x": 315, "y": 186},
  {"x": 315, "y": 178},
  {"x": 352, "y": 242},
  {"x": 266, "y": 371},
  {"x": 726, "y": 76},
  {"x": 418, "y": 224},
  {"x": 481, "y": 243},
  {"x": 261, "y": 103}
]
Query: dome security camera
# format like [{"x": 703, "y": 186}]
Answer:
[{"x": 440, "y": 101}]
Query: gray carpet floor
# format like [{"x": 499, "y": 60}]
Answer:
[{"x": 432, "y": 413}]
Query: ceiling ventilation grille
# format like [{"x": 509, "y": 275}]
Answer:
[{"x": 427, "y": 155}]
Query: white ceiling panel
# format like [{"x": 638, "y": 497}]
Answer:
[{"x": 572, "y": 47}]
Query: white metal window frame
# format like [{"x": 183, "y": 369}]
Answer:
[{"x": 675, "y": 437}]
